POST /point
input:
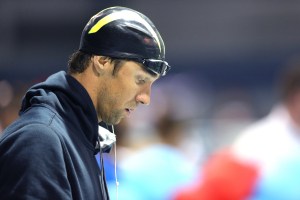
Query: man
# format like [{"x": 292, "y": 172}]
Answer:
[{"x": 48, "y": 153}]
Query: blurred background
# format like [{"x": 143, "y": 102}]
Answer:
[{"x": 225, "y": 57}]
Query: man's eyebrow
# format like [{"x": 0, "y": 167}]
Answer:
[
  {"x": 147, "y": 77},
  {"x": 154, "y": 75},
  {"x": 142, "y": 76}
]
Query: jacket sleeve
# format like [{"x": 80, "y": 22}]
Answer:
[{"x": 32, "y": 165}]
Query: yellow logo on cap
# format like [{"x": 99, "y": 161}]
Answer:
[{"x": 127, "y": 15}]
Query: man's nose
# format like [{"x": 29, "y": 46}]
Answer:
[{"x": 144, "y": 96}]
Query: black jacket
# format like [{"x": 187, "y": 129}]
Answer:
[{"x": 49, "y": 152}]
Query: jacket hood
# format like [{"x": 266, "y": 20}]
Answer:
[{"x": 69, "y": 99}]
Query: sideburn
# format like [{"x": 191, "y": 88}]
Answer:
[{"x": 117, "y": 65}]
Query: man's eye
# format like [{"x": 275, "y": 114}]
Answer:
[{"x": 141, "y": 81}]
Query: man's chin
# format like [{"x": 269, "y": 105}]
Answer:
[{"x": 113, "y": 121}]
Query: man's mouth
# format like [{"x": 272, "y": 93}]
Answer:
[{"x": 129, "y": 111}]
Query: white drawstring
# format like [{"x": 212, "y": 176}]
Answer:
[{"x": 116, "y": 177}]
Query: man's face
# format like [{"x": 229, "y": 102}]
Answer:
[{"x": 121, "y": 93}]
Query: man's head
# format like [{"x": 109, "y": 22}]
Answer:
[
  {"x": 121, "y": 54},
  {"x": 120, "y": 32}
]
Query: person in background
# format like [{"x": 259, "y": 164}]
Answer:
[
  {"x": 264, "y": 160},
  {"x": 49, "y": 151}
]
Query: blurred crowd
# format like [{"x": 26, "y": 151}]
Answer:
[
  {"x": 11, "y": 93},
  {"x": 194, "y": 143}
]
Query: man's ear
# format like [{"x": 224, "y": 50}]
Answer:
[{"x": 99, "y": 64}]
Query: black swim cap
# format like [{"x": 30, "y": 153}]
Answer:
[{"x": 120, "y": 32}]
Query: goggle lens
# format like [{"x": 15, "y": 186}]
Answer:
[{"x": 157, "y": 66}]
